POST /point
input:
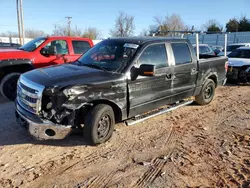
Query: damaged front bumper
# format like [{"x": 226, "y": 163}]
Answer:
[
  {"x": 42, "y": 130},
  {"x": 232, "y": 73}
]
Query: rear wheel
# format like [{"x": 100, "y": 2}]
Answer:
[
  {"x": 207, "y": 92},
  {"x": 8, "y": 86},
  {"x": 99, "y": 124}
]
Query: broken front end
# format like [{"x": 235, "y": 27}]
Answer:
[{"x": 48, "y": 113}]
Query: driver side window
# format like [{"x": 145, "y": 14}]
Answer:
[
  {"x": 60, "y": 45},
  {"x": 155, "y": 55}
]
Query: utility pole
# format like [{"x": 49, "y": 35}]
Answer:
[
  {"x": 21, "y": 13},
  {"x": 69, "y": 22},
  {"x": 18, "y": 22}
]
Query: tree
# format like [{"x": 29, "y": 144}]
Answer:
[
  {"x": 144, "y": 32},
  {"x": 244, "y": 24},
  {"x": 92, "y": 33},
  {"x": 32, "y": 33},
  {"x": 124, "y": 26},
  {"x": 9, "y": 34},
  {"x": 62, "y": 30},
  {"x": 232, "y": 25},
  {"x": 169, "y": 23},
  {"x": 213, "y": 26}
]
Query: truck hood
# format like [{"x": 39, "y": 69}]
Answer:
[
  {"x": 14, "y": 54},
  {"x": 65, "y": 75},
  {"x": 238, "y": 62}
]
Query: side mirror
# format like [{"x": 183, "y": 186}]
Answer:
[
  {"x": 146, "y": 70},
  {"x": 51, "y": 50}
]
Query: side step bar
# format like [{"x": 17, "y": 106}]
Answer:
[{"x": 141, "y": 118}]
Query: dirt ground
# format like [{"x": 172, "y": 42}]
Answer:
[{"x": 194, "y": 146}]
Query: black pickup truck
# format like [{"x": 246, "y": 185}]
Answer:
[{"x": 114, "y": 81}]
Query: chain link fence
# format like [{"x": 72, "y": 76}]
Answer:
[{"x": 219, "y": 39}]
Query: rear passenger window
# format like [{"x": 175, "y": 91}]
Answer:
[
  {"x": 155, "y": 55},
  {"x": 182, "y": 53},
  {"x": 80, "y": 46}
]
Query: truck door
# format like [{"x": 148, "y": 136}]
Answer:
[
  {"x": 185, "y": 71},
  {"x": 62, "y": 54},
  {"x": 146, "y": 93}
]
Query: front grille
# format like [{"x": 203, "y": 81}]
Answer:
[
  {"x": 30, "y": 99},
  {"x": 29, "y": 95},
  {"x": 28, "y": 88}
]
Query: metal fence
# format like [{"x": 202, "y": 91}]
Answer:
[
  {"x": 219, "y": 39},
  {"x": 13, "y": 40}
]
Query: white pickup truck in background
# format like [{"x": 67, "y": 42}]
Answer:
[{"x": 239, "y": 64}]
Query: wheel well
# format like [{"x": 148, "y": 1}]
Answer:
[
  {"x": 14, "y": 68},
  {"x": 116, "y": 109},
  {"x": 245, "y": 67},
  {"x": 214, "y": 78}
]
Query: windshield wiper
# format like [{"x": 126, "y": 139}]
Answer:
[{"x": 93, "y": 66}]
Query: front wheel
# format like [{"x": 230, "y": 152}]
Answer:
[
  {"x": 242, "y": 75},
  {"x": 207, "y": 92},
  {"x": 8, "y": 85},
  {"x": 99, "y": 124}
]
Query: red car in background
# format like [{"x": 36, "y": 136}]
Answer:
[{"x": 40, "y": 52}]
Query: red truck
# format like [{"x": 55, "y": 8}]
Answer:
[{"x": 40, "y": 52}]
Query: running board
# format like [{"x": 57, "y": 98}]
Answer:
[{"x": 141, "y": 118}]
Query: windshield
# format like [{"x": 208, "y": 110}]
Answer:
[
  {"x": 217, "y": 48},
  {"x": 203, "y": 49},
  {"x": 32, "y": 45},
  {"x": 240, "y": 54},
  {"x": 110, "y": 56}
]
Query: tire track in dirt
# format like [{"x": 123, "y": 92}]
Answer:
[
  {"x": 82, "y": 163},
  {"x": 103, "y": 180},
  {"x": 158, "y": 163}
]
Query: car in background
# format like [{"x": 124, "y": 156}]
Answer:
[
  {"x": 5, "y": 45},
  {"x": 239, "y": 64},
  {"x": 234, "y": 46},
  {"x": 217, "y": 49},
  {"x": 38, "y": 53},
  {"x": 205, "y": 49}
]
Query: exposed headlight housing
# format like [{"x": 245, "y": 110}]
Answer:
[{"x": 74, "y": 91}]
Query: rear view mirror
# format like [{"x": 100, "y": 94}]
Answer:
[{"x": 146, "y": 70}]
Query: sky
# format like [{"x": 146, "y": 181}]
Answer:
[{"x": 44, "y": 14}]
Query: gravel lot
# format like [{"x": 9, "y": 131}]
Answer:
[{"x": 194, "y": 146}]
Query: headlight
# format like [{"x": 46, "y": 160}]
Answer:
[{"x": 74, "y": 91}]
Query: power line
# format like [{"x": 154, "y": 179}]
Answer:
[{"x": 69, "y": 23}]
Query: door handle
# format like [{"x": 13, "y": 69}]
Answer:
[{"x": 194, "y": 71}]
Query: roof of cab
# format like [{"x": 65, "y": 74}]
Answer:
[
  {"x": 143, "y": 40},
  {"x": 66, "y": 37},
  {"x": 244, "y": 48},
  {"x": 236, "y": 44}
]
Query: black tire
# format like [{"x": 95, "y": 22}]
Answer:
[
  {"x": 8, "y": 86},
  {"x": 207, "y": 92},
  {"x": 99, "y": 124},
  {"x": 242, "y": 75}
]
